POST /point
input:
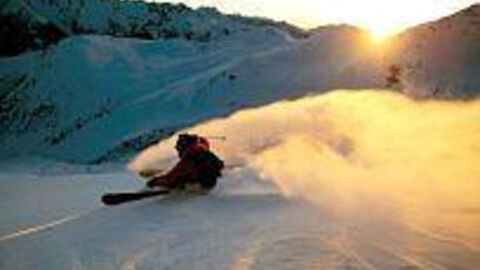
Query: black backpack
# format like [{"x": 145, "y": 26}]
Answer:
[{"x": 211, "y": 167}]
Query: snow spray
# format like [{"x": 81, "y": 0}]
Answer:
[{"x": 357, "y": 152}]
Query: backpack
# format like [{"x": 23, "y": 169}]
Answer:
[{"x": 210, "y": 167}]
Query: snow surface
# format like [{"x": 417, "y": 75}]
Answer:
[
  {"x": 336, "y": 198},
  {"x": 441, "y": 58},
  {"x": 126, "y": 93},
  {"x": 135, "y": 87}
]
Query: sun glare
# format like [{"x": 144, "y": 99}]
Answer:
[
  {"x": 381, "y": 32},
  {"x": 381, "y": 18}
]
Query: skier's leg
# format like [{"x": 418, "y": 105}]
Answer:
[{"x": 164, "y": 182}]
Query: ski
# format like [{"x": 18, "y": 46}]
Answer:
[{"x": 123, "y": 197}]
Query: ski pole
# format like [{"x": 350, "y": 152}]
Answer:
[{"x": 220, "y": 138}]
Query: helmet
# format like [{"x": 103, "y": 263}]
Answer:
[{"x": 184, "y": 141}]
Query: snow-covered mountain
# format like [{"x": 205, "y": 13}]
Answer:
[
  {"x": 123, "y": 94},
  {"x": 441, "y": 58},
  {"x": 122, "y": 75},
  {"x": 35, "y": 24}
]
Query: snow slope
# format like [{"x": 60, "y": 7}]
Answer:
[
  {"x": 125, "y": 94},
  {"x": 313, "y": 190},
  {"x": 441, "y": 58},
  {"x": 65, "y": 98},
  {"x": 37, "y": 24}
]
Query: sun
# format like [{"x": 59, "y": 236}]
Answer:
[
  {"x": 380, "y": 32},
  {"x": 381, "y": 18}
]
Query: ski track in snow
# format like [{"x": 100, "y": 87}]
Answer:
[
  {"x": 443, "y": 238},
  {"x": 40, "y": 228}
]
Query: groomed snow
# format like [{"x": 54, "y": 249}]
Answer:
[{"x": 335, "y": 198}]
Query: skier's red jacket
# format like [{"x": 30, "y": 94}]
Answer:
[{"x": 185, "y": 171}]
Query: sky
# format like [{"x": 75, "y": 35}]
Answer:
[{"x": 382, "y": 17}]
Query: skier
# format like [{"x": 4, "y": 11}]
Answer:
[{"x": 197, "y": 170}]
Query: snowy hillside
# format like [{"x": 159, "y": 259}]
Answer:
[
  {"x": 109, "y": 94},
  {"x": 345, "y": 180},
  {"x": 123, "y": 94},
  {"x": 441, "y": 58},
  {"x": 36, "y": 24}
]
